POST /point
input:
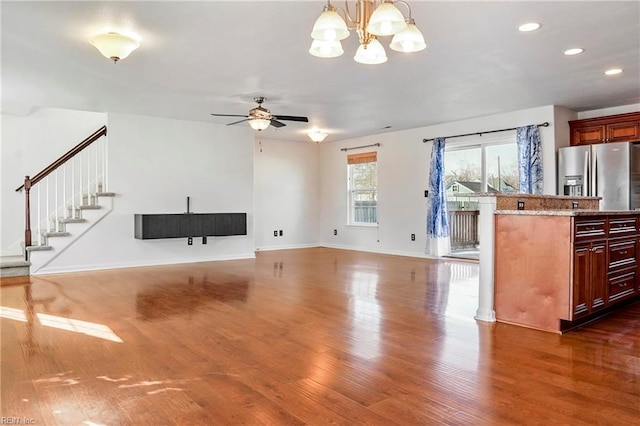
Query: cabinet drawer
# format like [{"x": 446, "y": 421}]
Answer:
[
  {"x": 622, "y": 226},
  {"x": 622, "y": 254},
  {"x": 590, "y": 229},
  {"x": 622, "y": 286}
]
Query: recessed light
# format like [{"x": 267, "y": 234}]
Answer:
[
  {"x": 574, "y": 51},
  {"x": 613, "y": 71},
  {"x": 529, "y": 26}
]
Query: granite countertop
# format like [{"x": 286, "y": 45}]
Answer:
[{"x": 569, "y": 212}]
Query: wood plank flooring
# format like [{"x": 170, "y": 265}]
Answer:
[{"x": 312, "y": 336}]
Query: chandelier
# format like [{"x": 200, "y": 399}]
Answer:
[{"x": 372, "y": 20}]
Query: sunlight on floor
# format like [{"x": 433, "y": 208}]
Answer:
[{"x": 100, "y": 331}]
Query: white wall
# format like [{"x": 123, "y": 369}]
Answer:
[
  {"x": 286, "y": 185},
  {"x": 30, "y": 143},
  {"x": 154, "y": 164},
  {"x": 608, "y": 111},
  {"x": 403, "y": 170}
]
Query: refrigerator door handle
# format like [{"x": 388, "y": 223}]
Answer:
[
  {"x": 585, "y": 175},
  {"x": 594, "y": 173}
]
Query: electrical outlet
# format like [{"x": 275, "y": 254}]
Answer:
[
  {"x": 275, "y": 233},
  {"x": 204, "y": 240},
  {"x": 413, "y": 237},
  {"x": 280, "y": 232},
  {"x": 190, "y": 241},
  {"x": 520, "y": 205},
  {"x": 335, "y": 232}
]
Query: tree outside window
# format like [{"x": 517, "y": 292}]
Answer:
[{"x": 363, "y": 193}]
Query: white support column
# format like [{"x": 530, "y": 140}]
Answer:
[
  {"x": 47, "y": 209},
  {"x": 486, "y": 232},
  {"x": 73, "y": 187}
]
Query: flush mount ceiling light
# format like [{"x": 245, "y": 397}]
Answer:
[
  {"x": 373, "y": 19},
  {"x": 529, "y": 26},
  {"x": 114, "y": 46},
  {"x": 574, "y": 51},
  {"x": 317, "y": 135},
  {"x": 613, "y": 71}
]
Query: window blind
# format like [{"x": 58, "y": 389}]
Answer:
[{"x": 363, "y": 157}]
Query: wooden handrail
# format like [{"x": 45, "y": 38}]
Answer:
[
  {"x": 66, "y": 157},
  {"x": 29, "y": 182}
]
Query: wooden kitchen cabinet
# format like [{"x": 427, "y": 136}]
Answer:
[
  {"x": 589, "y": 278},
  {"x": 556, "y": 271},
  {"x": 612, "y": 128}
]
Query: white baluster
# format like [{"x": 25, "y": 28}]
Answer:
[
  {"x": 95, "y": 150},
  {"x": 39, "y": 225},
  {"x": 64, "y": 190},
  {"x": 47, "y": 206},
  {"x": 106, "y": 164},
  {"x": 73, "y": 187},
  {"x": 88, "y": 177},
  {"x": 56, "y": 225}
]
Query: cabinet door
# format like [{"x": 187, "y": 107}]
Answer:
[
  {"x": 588, "y": 135},
  {"x": 599, "y": 283},
  {"x": 623, "y": 132},
  {"x": 581, "y": 273}
]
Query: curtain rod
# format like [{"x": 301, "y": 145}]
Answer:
[
  {"x": 545, "y": 124},
  {"x": 356, "y": 147}
]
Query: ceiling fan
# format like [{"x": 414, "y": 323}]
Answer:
[{"x": 260, "y": 118}]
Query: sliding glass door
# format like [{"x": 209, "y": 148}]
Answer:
[{"x": 472, "y": 168}]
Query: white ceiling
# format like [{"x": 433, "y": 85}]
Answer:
[{"x": 198, "y": 58}]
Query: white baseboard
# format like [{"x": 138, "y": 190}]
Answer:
[
  {"x": 391, "y": 252},
  {"x": 85, "y": 268},
  {"x": 287, "y": 247}
]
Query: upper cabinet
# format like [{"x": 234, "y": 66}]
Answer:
[{"x": 612, "y": 128}]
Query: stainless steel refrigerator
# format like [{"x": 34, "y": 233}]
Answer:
[{"x": 609, "y": 170}]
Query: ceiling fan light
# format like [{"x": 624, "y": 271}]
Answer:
[
  {"x": 259, "y": 123},
  {"x": 371, "y": 53},
  {"x": 326, "y": 49},
  {"x": 329, "y": 26},
  {"x": 114, "y": 46},
  {"x": 317, "y": 135},
  {"x": 410, "y": 40},
  {"x": 386, "y": 20}
]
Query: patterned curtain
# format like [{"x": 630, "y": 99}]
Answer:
[
  {"x": 438, "y": 243},
  {"x": 529, "y": 159}
]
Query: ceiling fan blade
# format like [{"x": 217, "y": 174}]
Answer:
[
  {"x": 229, "y": 115},
  {"x": 276, "y": 123},
  {"x": 236, "y": 122},
  {"x": 291, "y": 118}
]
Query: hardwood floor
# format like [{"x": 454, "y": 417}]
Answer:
[{"x": 313, "y": 336}]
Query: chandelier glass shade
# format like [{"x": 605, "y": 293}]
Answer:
[
  {"x": 114, "y": 46},
  {"x": 409, "y": 40},
  {"x": 371, "y": 53},
  {"x": 373, "y": 19},
  {"x": 326, "y": 49}
]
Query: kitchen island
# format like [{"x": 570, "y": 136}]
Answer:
[{"x": 557, "y": 269}]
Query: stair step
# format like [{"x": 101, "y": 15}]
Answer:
[
  {"x": 89, "y": 207},
  {"x": 55, "y": 234},
  {"x": 13, "y": 266},
  {"x": 39, "y": 248},
  {"x": 72, "y": 220},
  {"x": 104, "y": 194}
]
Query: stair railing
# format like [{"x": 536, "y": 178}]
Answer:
[{"x": 87, "y": 174}]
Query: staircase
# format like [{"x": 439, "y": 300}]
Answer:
[{"x": 71, "y": 197}]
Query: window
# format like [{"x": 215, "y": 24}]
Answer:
[{"x": 363, "y": 192}]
